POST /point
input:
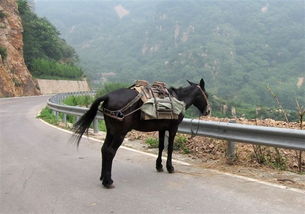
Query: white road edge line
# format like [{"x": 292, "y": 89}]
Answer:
[
  {"x": 22, "y": 97},
  {"x": 187, "y": 164}
]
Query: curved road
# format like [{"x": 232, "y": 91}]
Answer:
[{"x": 41, "y": 172}]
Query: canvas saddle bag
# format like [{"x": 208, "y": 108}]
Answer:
[{"x": 157, "y": 101}]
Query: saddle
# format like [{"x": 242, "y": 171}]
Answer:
[{"x": 157, "y": 101}]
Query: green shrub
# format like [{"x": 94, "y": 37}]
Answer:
[
  {"x": 47, "y": 115},
  {"x": 2, "y": 15},
  {"x": 3, "y": 52},
  {"x": 42, "y": 40},
  {"x": 179, "y": 144},
  {"x": 44, "y": 68},
  {"x": 85, "y": 100},
  {"x": 70, "y": 119},
  {"x": 102, "y": 126},
  {"x": 152, "y": 142},
  {"x": 17, "y": 82}
]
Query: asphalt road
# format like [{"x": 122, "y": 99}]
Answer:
[{"x": 42, "y": 172}]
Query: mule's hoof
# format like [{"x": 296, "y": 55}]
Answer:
[
  {"x": 170, "y": 169},
  {"x": 159, "y": 169},
  {"x": 110, "y": 186},
  {"x": 107, "y": 183}
]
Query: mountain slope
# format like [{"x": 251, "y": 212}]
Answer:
[{"x": 239, "y": 47}]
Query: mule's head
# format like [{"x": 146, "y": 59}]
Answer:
[{"x": 201, "y": 97}]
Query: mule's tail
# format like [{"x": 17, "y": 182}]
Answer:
[{"x": 82, "y": 125}]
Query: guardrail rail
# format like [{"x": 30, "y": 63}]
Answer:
[{"x": 230, "y": 131}]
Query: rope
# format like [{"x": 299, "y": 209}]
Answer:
[{"x": 194, "y": 133}]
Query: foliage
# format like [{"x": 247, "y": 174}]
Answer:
[
  {"x": 270, "y": 156},
  {"x": 43, "y": 47},
  {"x": 109, "y": 87},
  {"x": 2, "y": 14},
  {"x": 3, "y": 52},
  {"x": 102, "y": 126},
  {"x": 47, "y": 115},
  {"x": 152, "y": 142},
  {"x": 237, "y": 48},
  {"x": 50, "y": 69},
  {"x": 84, "y": 100},
  {"x": 180, "y": 144}
]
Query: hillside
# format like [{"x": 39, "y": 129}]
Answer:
[
  {"x": 239, "y": 47},
  {"x": 46, "y": 54},
  {"x": 15, "y": 79}
]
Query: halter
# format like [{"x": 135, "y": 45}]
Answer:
[
  {"x": 194, "y": 133},
  {"x": 205, "y": 96}
]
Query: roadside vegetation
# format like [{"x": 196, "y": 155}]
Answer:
[
  {"x": 45, "y": 53},
  {"x": 50, "y": 69},
  {"x": 3, "y": 52}
]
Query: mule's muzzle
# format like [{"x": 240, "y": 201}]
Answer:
[{"x": 207, "y": 112}]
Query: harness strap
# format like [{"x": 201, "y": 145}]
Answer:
[
  {"x": 205, "y": 97},
  {"x": 119, "y": 114}
]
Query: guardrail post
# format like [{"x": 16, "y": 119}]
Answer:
[
  {"x": 231, "y": 149},
  {"x": 166, "y": 140},
  {"x": 64, "y": 118},
  {"x": 95, "y": 126},
  {"x": 56, "y": 114}
]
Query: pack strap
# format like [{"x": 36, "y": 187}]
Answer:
[{"x": 119, "y": 114}]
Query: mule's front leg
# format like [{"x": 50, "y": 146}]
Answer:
[
  {"x": 159, "y": 165},
  {"x": 171, "y": 137}
]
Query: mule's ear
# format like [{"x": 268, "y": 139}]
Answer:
[
  {"x": 202, "y": 84},
  {"x": 191, "y": 83}
]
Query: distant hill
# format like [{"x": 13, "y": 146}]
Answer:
[{"x": 238, "y": 47}]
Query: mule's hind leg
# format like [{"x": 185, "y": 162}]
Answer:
[
  {"x": 159, "y": 166},
  {"x": 108, "y": 153},
  {"x": 106, "y": 144},
  {"x": 171, "y": 137}
]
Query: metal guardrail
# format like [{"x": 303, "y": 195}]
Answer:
[
  {"x": 233, "y": 132},
  {"x": 260, "y": 135}
]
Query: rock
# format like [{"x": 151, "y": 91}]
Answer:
[{"x": 15, "y": 79}]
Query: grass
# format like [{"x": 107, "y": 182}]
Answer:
[
  {"x": 47, "y": 115},
  {"x": 2, "y": 14},
  {"x": 3, "y": 52},
  {"x": 179, "y": 144},
  {"x": 269, "y": 156},
  {"x": 152, "y": 142},
  {"x": 102, "y": 126},
  {"x": 84, "y": 100}
]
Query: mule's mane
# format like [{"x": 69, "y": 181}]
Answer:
[{"x": 180, "y": 92}]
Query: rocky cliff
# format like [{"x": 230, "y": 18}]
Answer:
[{"x": 15, "y": 79}]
